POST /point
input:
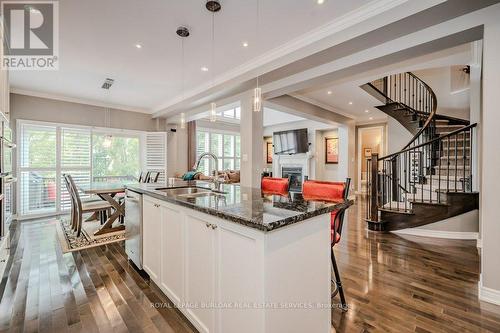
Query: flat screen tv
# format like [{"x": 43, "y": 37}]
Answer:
[{"x": 291, "y": 142}]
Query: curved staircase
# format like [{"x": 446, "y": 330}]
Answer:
[{"x": 430, "y": 178}]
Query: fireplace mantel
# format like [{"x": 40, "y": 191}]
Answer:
[{"x": 296, "y": 160}]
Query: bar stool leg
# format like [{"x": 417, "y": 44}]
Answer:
[{"x": 338, "y": 282}]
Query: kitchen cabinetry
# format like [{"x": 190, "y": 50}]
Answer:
[
  {"x": 4, "y": 83},
  {"x": 152, "y": 216},
  {"x": 221, "y": 274},
  {"x": 172, "y": 251}
]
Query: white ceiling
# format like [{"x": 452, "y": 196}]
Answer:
[
  {"x": 272, "y": 117},
  {"x": 97, "y": 40},
  {"x": 433, "y": 69}
]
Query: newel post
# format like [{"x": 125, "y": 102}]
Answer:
[{"x": 374, "y": 188}]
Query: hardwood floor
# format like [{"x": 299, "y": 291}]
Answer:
[{"x": 392, "y": 284}]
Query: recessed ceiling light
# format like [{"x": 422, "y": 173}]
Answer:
[
  {"x": 139, "y": 46},
  {"x": 367, "y": 111},
  {"x": 350, "y": 103},
  {"x": 371, "y": 118},
  {"x": 329, "y": 92},
  {"x": 204, "y": 69},
  {"x": 320, "y": 2},
  {"x": 245, "y": 44}
]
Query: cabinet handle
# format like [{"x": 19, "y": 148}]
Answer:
[{"x": 214, "y": 227}]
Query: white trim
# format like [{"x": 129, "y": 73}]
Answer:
[
  {"x": 479, "y": 244},
  {"x": 350, "y": 19},
  {"x": 488, "y": 294},
  {"x": 78, "y": 100},
  {"x": 438, "y": 233}
]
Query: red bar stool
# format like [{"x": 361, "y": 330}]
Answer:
[
  {"x": 332, "y": 192},
  {"x": 275, "y": 186}
]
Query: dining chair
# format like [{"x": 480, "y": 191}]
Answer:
[
  {"x": 331, "y": 192},
  {"x": 275, "y": 186},
  {"x": 152, "y": 176},
  {"x": 79, "y": 208}
]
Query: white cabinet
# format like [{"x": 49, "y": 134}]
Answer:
[
  {"x": 152, "y": 238},
  {"x": 200, "y": 271},
  {"x": 221, "y": 274},
  {"x": 172, "y": 252},
  {"x": 4, "y": 83}
]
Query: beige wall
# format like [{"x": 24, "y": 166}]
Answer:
[{"x": 44, "y": 109}]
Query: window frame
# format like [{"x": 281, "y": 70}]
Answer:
[
  {"x": 222, "y": 158},
  {"x": 59, "y": 169}
]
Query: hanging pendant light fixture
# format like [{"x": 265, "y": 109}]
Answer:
[
  {"x": 213, "y": 6},
  {"x": 257, "y": 92},
  {"x": 182, "y": 32},
  {"x": 108, "y": 139}
]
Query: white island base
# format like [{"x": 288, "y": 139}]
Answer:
[{"x": 226, "y": 277}]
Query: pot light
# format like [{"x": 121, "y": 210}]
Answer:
[
  {"x": 139, "y": 46},
  {"x": 329, "y": 92},
  {"x": 320, "y": 2},
  {"x": 371, "y": 118},
  {"x": 350, "y": 103},
  {"x": 245, "y": 44},
  {"x": 367, "y": 111},
  {"x": 204, "y": 69}
]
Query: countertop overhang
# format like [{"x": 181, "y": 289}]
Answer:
[{"x": 243, "y": 205}]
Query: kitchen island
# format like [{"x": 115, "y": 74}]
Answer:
[{"x": 234, "y": 260}]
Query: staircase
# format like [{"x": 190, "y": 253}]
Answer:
[{"x": 430, "y": 179}]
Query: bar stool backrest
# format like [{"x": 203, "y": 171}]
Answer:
[
  {"x": 153, "y": 176},
  {"x": 330, "y": 192},
  {"x": 275, "y": 186}
]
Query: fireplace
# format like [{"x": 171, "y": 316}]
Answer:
[{"x": 295, "y": 176}]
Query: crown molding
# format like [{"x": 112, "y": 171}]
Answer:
[
  {"x": 77, "y": 100},
  {"x": 343, "y": 22}
]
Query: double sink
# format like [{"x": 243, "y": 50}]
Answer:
[{"x": 190, "y": 191}]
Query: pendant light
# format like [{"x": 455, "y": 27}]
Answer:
[
  {"x": 213, "y": 6},
  {"x": 257, "y": 92},
  {"x": 107, "y": 123},
  {"x": 182, "y": 32}
]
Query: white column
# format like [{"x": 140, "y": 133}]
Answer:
[
  {"x": 347, "y": 152},
  {"x": 251, "y": 131},
  {"x": 490, "y": 166}
]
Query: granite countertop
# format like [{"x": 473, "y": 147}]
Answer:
[{"x": 243, "y": 205}]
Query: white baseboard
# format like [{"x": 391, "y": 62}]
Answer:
[
  {"x": 438, "y": 233},
  {"x": 480, "y": 243},
  {"x": 488, "y": 294}
]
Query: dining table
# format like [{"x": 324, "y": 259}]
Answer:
[{"x": 108, "y": 191}]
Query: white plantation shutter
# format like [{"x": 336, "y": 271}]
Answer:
[
  {"x": 75, "y": 160},
  {"x": 37, "y": 169},
  {"x": 155, "y": 158}
]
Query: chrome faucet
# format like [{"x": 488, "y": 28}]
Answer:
[{"x": 216, "y": 179}]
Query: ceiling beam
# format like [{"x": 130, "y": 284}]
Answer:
[
  {"x": 297, "y": 107},
  {"x": 337, "y": 50}
]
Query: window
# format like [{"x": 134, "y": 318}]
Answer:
[
  {"x": 230, "y": 114},
  {"x": 115, "y": 157},
  {"x": 47, "y": 151},
  {"x": 225, "y": 145},
  {"x": 37, "y": 169}
]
